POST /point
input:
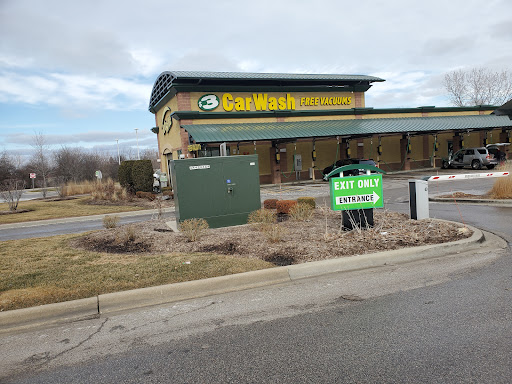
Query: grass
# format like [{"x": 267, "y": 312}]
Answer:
[
  {"x": 49, "y": 270},
  {"x": 502, "y": 187},
  {"x": 43, "y": 210}
]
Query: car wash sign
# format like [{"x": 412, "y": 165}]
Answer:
[{"x": 356, "y": 192}]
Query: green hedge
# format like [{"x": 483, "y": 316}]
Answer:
[
  {"x": 136, "y": 175},
  {"x": 142, "y": 175}
]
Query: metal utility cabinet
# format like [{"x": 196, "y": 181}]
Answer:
[{"x": 222, "y": 190}]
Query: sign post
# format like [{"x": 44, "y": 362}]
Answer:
[{"x": 32, "y": 176}]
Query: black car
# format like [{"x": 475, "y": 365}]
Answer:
[{"x": 352, "y": 172}]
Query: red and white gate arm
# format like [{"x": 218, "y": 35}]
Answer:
[{"x": 466, "y": 176}]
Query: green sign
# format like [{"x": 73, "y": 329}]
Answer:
[
  {"x": 208, "y": 102},
  {"x": 356, "y": 192}
]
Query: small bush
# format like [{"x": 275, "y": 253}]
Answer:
[
  {"x": 145, "y": 195},
  {"x": 301, "y": 212},
  {"x": 193, "y": 228},
  {"x": 284, "y": 206},
  {"x": 261, "y": 216},
  {"x": 274, "y": 232},
  {"x": 169, "y": 193},
  {"x": 307, "y": 200},
  {"x": 110, "y": 221},
  {"x": 270, "y": 203},
  {"x": 129, "y": 234}
]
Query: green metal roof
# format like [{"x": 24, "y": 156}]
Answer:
[
  {"x": 505, "y": 109},
  {"x": 166, "y": 80},
  {"x": 197, "y": 75},
  {"x": 218, "y": 133}
]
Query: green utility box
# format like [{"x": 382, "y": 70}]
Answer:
[{"x": 222, "y": 190}]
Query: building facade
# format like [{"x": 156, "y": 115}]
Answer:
[{"x": 300, "y": 124}]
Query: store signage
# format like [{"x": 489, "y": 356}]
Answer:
[
  {"x": 166, "y": 121},
  {"x": 194, "y": 147},
  {"x": 208, "y": 102},
  {"x": 269, "y": 102},
  {"x": 356, "y": 192}
]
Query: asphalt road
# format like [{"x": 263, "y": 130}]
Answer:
[
  {"x": 445, "y": 320},
  {"x": 84, "y": 224}
]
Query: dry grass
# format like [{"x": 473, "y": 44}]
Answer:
[
  {"x": 73, "y": 189},
  {"x": 54, "y": 209},
  {"x": 48, "y": 270},
  {"x": 502, "y": 188}
]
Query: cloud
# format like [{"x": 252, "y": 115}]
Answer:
[{"x": 78, "y": 91}]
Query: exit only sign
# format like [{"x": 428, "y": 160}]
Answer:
[{"x": 356, "y": 192}]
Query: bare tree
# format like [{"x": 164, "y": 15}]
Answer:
[
  {"x": 478, "y": 86},
  {"x": 11, "y": 191},
  {"x": 41, "y": 160}
]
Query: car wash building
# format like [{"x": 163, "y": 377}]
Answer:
[{"x": 300, "y": 124}]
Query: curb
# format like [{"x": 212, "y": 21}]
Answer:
[
  {"x": 467, "y": 200},
  {"x": 111, "y": 303}
]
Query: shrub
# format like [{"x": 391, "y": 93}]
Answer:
[
  {"x": 145, "y": 195},
  {"x": 129, "y": 234},
  {"x": 110, "y": 221},
  {"x": 307, "y": 200},
  {"x": 274, "y": 232},
  {"x": 270, "y": 204},
  {"x": 261, "y": 216},
  {"x": 284, "y": 206},
  {"x": 502, "y": 187},
  {"x": 124, "y": 174},
  {"x": 301, "y": 212},
  {"x": 107, "y": 190},
  {"x": 193, "y": 228},
  {"x": 142, "y": 175}
]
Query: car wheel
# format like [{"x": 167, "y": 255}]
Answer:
[
  {"x": 475, "y": 164},
  {"x": 491, "y": 166}
]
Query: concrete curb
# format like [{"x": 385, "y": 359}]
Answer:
[
  {"x": 466, "y": 200},
  {"x": 21, "y": 319},
  {"x": 138, "y": 298},
  {"x": 117, "y": 302}
]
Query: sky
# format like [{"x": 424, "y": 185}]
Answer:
[{"x": 81, "y": 73}]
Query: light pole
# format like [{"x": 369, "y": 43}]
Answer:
[
  {"x": 118, "y": 156},
  {"x": 138, "y": 156}
]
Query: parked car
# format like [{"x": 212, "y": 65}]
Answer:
[
  {"x": 498, "y": 150},
  {"x": 352, "y": 172},
  {"x": 475, "y": 158}
]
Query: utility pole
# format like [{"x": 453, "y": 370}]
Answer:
[
  {"x": 118, "y": 156},
  {"x": 138, "y": 156}
]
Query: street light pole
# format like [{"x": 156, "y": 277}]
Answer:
[
  {"x": 118, "y": 156},
  {"x": 138, "y": 156}
]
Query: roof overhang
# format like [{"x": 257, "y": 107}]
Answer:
[
  {"x": 242, "y": 132},
  {"x": 504, "y": 110}
]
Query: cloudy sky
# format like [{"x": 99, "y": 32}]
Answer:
[{"x": 81, "y": 72}]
